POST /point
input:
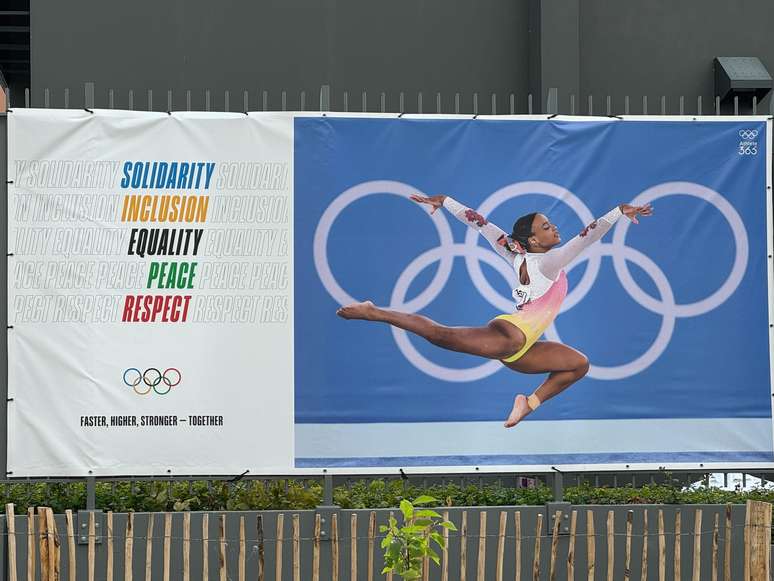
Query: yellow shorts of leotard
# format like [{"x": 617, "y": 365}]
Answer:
[{"x": 531, "y": 334}]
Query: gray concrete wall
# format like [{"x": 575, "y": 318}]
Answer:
[{"x": 431, "y": 46}]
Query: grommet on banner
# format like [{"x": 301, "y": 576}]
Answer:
[
  {"x": 552, "y": 116},
  {"x": 615, "y": 116},
  {"x": 89, "y": 110},
  {"x": 169, "y": 112},
  {"x": 9, "y": 254},
  {"x": 475, "y": 116},
  {"x": 402, "y": 474},
  {"x": 9, "y": 181},
  {"x": 9, "y": 327},
  {"x": 246, "y": 114},
  {"x": 401, "y": 114},
  {"x": 240, "y": 476},
  {"x": 9, "y": 472},
  {"x": 9, "y": 399}
]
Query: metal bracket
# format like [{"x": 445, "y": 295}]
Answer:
[
  {"x": 83, "y": 526},
  {"x": 326, "y": 518},
  {"x": 565, "y": 508}
]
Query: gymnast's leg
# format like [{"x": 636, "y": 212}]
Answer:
[
  {"x": 496, "y": 340},
  {"x": 564, "y": 366}
]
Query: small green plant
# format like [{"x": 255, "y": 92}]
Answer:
[{"x": 407, "y": 546}]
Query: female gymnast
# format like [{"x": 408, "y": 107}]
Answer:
[{"x": 533, "y": 251}]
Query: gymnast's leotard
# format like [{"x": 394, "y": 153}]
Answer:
[{"x": 537, "y": 302}]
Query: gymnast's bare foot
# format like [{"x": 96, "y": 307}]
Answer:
[
  {"x": 519, "y": 412},
  {"x": 365, "y": 310}
]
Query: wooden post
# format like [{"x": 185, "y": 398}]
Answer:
[
  {"x": 591, "y": 545},
  {"x": 661, "y": 547},
  {"x": 10, "y": 521},
  {"x": 261, "y": 549},
  {"x": 554, "y": 544},
  {"x": 628, "y": 555},
  {"x": 92, "y": 547},
  {"x": 334, "y": 548},
  {"x": 296, "y": 548},
  {"x": 353, "y": 547},
  {"x": 31, "y": 544},
  {"x": 759, "y": 539},
  {"x": 727, "y": 547},
  {"x": 371, "y": 537},
  {"x": 388, "y": 577},
  {"x": 242, "y": 550},
  {"x": 536, "y": 558},
  {"x": 70, "y": 531},
  {"x": 747, "y": 544},
  {"x": 571, "y": 549},
  {"x": 206, "y": 546},
  {"x": 43, "y": 544},
  {"x": 697, "y": 546},
  {"x": 279, "y": 535},
  {"x": 222, "y": 568},
  {"x": 186, "y": 546},
  {"x": 316, "y": 549},
  {"x": 481, "y": 564},
  {"x": 55, "y": 546},
  {"x": 610, "y": 544},
  {"x": 445, "y": 552},
  {"x": 128, "y": 546},
  {"x": 109, "y": 547},
  {"x": 678, "y": 545},
  {"x": 501, "y": 545},
  {"x": 715, "y": 530},
  {"x": 167, "y": 544},
  {"x": 148, "y": 549},
  {"x": 517, "y": 545},
  {"x": 644, "y": 573},
  {"x": 464, "y": 546}
]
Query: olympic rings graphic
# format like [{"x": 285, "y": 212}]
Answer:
[
  {"x": 473, "y": 254},
  {"x": 152, "y": 378},
  {"x": 748, "y": 133}
]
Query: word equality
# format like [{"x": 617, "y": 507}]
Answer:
[
  {"x": 176, "y": 175},
  {"x": 164, "y": 241}
]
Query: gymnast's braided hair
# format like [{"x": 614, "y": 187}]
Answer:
[{"x": 522, "y": 230}]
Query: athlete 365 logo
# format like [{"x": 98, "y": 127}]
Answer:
[
  {"x": 748, "y": 144},
  {"x": 143, "y": 382}
]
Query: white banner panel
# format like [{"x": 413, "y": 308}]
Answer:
[{"x": 150, "y": 293}]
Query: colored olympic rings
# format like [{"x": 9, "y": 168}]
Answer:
[{"x": 151, "y": 379}]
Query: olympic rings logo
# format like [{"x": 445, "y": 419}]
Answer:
[
  {"x": 142, "y": 382},
  {"x": 474, "y": 254},
  {"x": 748, "y": 133}
]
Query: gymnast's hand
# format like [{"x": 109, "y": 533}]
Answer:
[
  {"x": 632, "y": 212},
  {"x": 434, "y": 201}
]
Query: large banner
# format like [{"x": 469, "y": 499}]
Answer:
[{"x": 175, "y": 279}]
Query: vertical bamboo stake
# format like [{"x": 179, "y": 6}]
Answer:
[
  {"x": 109, "y": 532},
  {"x": 571, "y": 549},
  {"x": 148, "y": 549},
  {"x": 610, "y": 544},
  {"x": 353, "y": 547},
  {"x": 10, "y": 520},
  {"x": 501, "y": 545},
  {"x": 71, "y": 564},
  {"x": 31, "y": 544},
  {"x": 445, "y": 552},
  {"x": 661, "y": 547},
  {"x": 279, "y": 535},
  {"x": 242, "y": 550},
  {"x": 464, "y": 547},
  {"x": 55, "y": 546},
  {"x": 43, "y": 543},
  {"x": 591, "y": 545},
  {"x": 167, "y": 543},
  {"x": 261, "y": 549},
  {"x": 128, "y": 546},
  {"x": 389, "y": 573},
  {"x": 678, "y": 545},
  {"x": 481, "y": 564},
  {"x": 92, "y": 546},
  {"x": 222, "y": 548},
  {"x": 697, "y": 546},
  {"x": 517, "y": 545},
  {"x": 628, "y": 554},
  {"x": 727, "y": 547},
  {"x": 759, "y": 540},
  {"x": 715, "y": 530},
  {"x": 644, "y": 573},
  {"x": 334, "y": 548},
  {"x": 371, "y": 536},
  {"x": 316, "y": 549},
  {"x": 296, "y": 548},
  {"x": 205, "y": 547},
  {"x": 747, "y": 544},
  {"x": 555, "y": 544},
  {"x": 536, "y": 558},
  {"x": 186, "y": 546}
]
